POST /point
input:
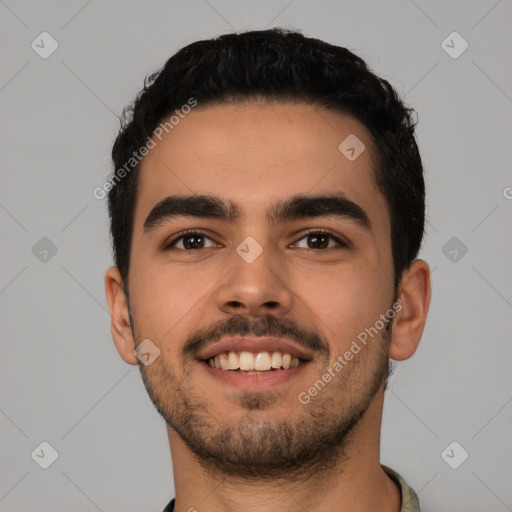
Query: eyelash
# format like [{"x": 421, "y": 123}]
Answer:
[{"x": 311, "y": 231}]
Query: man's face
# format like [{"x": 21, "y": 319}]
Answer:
[{"x": 188, "y": 294}]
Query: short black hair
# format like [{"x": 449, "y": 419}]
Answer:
[{"x": 277, "y": 65}]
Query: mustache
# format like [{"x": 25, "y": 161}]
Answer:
[{"x": 267, "y": 325}]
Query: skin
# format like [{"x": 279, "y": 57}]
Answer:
[{"x": 254, "y": 155}]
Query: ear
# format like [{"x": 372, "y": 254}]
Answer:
[
  {"x": 414, "y": 296},
  {"x": 119, "y": 316}
]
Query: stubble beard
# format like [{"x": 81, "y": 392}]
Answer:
[{"x": 315, "y": 440}]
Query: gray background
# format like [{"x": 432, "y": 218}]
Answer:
[{"x": 61, "y": 378}]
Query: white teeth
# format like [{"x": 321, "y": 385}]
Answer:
[
  {"x": 262, "y": 361},
  {"x": 276, "y": 360},
  {"x": 227, "y": 362},
  {"x": 246, "y": 361},
  {"x": 253, "y": 362},
  {"x": 233, "y": 361}
]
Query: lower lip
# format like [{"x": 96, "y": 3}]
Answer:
[{"x": 254, "y": 382}]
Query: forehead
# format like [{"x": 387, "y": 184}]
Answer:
[{"x": 256, "y": 154}]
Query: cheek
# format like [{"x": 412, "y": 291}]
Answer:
[
  {"x": 164, "y": 296},
  {"x": 344, "y": 300}
]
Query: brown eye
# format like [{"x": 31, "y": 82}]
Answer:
[
  {"x": 319, "y": 241},
  {"x": 190, "y": 241},
  {"x": 193, "y": 241},
  {"x": 322, "y": 240}
]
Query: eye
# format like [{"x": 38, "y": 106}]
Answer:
[
  {"x": 189, "y": 241},
  {"x": 320, "y": 239},
  {"x": 194, "y": 240}
]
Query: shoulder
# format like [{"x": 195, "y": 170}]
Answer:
[
  {"x": 410, "y": 501},
  {"x": 169, "y": 507}
]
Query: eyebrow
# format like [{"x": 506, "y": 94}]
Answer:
[{"x": 294, "y": 208}]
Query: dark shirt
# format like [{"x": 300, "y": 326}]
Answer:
[
  {"x": 170, "y": 507},
  {"x": 410, "y": 501}
]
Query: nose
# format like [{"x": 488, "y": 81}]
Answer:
[{"x": 256, "y": 288}]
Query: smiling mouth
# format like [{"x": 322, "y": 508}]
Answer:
[{"x": 254, "y": 362}]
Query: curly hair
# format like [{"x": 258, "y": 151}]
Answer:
[{"x": 278, "y": 65}]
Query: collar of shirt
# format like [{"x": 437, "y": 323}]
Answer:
[{"x": 410, "y": 502}]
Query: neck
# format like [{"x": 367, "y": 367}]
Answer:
[{"x": 357, "y": 481}]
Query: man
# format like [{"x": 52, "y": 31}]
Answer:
[{"x": 267, "y": 206}]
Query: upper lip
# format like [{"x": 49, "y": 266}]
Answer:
[{"x": 255, "y": 345}]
